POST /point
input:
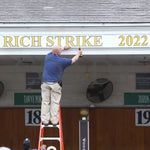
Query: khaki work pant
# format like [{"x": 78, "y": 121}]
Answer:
[{"x": 51, "y": 95}]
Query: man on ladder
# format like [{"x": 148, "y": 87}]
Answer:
[{"x": 52, "y": 83}]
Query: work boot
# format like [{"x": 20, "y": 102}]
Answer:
[{"x": 45, "y": 124}]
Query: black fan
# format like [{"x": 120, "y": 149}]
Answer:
[{"x": 99, "y": 90}]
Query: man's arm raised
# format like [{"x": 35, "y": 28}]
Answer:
[{"x": 76, "y": 57}]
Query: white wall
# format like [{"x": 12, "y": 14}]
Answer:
[
  {"x": 122, "y": 77},
  {"x": 74, "y": 82}
]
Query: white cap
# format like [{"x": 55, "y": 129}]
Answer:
[
  {"x": 4, "y": 148},
  {"x": 51, "y": 148}
]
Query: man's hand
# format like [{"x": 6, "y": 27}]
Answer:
[
  {"x": 76, "y": 57},
  {"x": 67, "y": 47}
]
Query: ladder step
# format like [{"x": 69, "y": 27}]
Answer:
[
  {"x": 50, "y": 138},
  {"x": 50, "y": 126}
]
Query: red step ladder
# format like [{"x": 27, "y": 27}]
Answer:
[{"x": 60, "y": 138}]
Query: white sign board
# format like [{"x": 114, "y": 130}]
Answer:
[
  {"x": 74, "y": 39},
  {"x": 142, "y": 117},
  {"x": 32, "y": 117}
]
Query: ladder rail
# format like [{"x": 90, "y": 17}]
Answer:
[
  {"x": 40, "y": 136},
  {"x": 60, "y": 131}
]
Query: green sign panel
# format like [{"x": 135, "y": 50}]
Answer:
[
  {"x": 136, "y": 98},
  {"x": 27, "y": 98}
]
